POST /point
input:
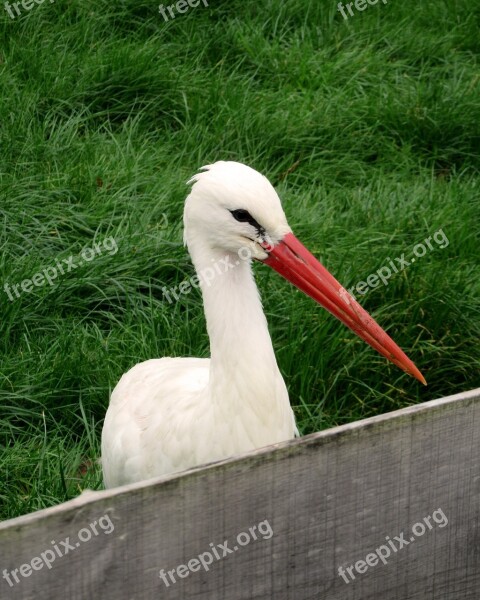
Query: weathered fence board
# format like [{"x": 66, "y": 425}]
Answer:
[{"x": 408, "y": 480}]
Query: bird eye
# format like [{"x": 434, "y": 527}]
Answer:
[{"x": 242, "y": 215}]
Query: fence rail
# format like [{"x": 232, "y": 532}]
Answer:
[{"x": 388, "y": 507}]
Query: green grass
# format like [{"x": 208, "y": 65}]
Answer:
[{"x": 369, "y": 128}]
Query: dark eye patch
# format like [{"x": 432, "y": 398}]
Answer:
[{"x": 243, "y": 216}]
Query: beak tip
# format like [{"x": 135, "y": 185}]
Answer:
[{"x": 419, "y": 376}]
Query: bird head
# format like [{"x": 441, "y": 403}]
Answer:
[{"x": 233, "y": 207}]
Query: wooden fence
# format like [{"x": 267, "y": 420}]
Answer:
[{"x": 383, "y": 509}]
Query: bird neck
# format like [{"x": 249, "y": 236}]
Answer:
[{"x": 242, "y": 354}]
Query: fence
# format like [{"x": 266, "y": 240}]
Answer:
[{"x": 388, "y": 507}]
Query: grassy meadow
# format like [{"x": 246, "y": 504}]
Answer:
[{"x": 369, "y": 127}]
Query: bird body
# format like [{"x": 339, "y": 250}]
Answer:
[{"x": 169, "y": 414}]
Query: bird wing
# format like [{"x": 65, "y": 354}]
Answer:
[{"x": 141, "y": 437}]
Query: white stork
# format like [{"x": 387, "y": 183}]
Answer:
[{"x": 170, "y": 414}]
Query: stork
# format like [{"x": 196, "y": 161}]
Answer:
[{"x": 169, "y": 414}]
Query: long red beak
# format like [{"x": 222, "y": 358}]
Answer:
[{"x": 293, "y": 261}]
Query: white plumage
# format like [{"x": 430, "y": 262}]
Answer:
[{"x": 169, "y": 414}]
